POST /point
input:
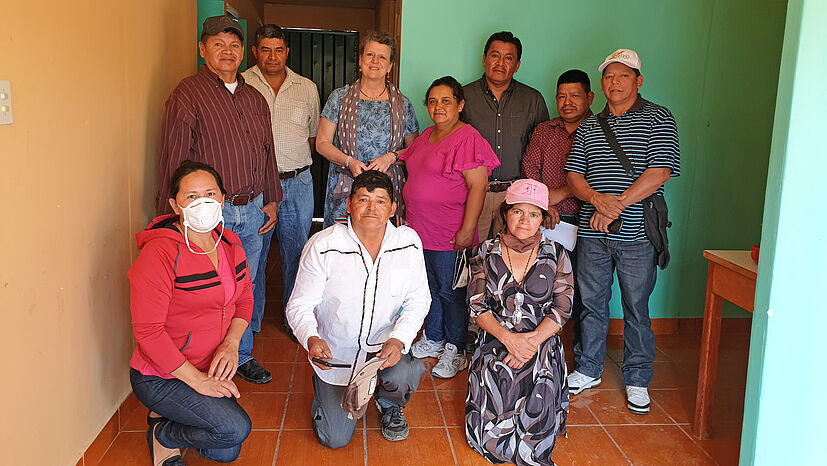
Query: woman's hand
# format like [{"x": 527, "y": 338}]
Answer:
[
  {"x": 224, "y": 361},
  {"x": 521, "y": 345},
  {"x": 464, "y": 239},
  {"x": 208, "y": 386},
  {"x": 356, "y": 166},
  {"x": 513, "y": 361},
  {"x": 383, "y": 162}
]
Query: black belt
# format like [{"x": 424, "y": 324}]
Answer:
[
  {"x": 497, "y": 186},
  {"x": 240, "y": 199},
  {"x": 292, "y": 173}
]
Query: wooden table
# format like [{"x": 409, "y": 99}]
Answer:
[{"x": 731, "y": 276}]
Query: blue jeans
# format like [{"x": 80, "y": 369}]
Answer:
[
  {"x": 216, "y": 427},
  {"x": 245, "y": 221},
  {"x": 293, "y": 228},
  {"x": 447, "y": 320},
  {"x": 634, "y": 262}
]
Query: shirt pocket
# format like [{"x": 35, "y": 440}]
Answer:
[
  {"x": 299, "y": 114},
  {"x": 399, "y": 281},
  {"x": 517, "y": 123}
]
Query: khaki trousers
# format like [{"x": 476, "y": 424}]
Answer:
[{"x": 490, "y": 220}]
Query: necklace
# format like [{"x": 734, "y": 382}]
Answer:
[
  {"x": 371, "y": 97},
  {"x": 527, "y": 262}
]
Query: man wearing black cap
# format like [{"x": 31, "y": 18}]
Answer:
[{"x": 214, "y": 117}]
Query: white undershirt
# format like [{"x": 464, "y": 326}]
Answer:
[{"x": 231, "y": 86}]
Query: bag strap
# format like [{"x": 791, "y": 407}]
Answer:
[{"x": 621, "y": 156}]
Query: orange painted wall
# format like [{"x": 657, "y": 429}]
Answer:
[{"x": 77, "y": 178}]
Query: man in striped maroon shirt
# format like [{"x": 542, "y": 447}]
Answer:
[{"x": 216, "y": 118}]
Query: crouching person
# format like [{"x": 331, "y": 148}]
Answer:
[{"x": 361, "y": 296}]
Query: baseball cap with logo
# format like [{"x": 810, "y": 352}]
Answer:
[
  {"x": 626, "y": 56},
  {"x": 530, "y": 191},
  {"x": 216, "y": 24}
]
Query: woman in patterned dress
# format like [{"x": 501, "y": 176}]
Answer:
[
  {"x": 520, "y": 294},
  {"x": 365, "y": 126}
]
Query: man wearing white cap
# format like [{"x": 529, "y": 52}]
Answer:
[{"x": 611, "y": 235}]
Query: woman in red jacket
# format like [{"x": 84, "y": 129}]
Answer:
[{"x": 191, "y": 299}]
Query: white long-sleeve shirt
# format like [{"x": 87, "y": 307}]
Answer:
[{"x": 354, "y": 302}]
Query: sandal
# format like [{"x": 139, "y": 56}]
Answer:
[{"x": 175, "y": 459}]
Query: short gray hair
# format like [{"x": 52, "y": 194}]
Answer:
[{"x": 382, "y": 38}]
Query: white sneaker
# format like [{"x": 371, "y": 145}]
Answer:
[
  {"x": 425, "y": 348},
  {"x": 579, "y": 382},
  {"x": 450, "y": 362},
  {"x": 637, "y": 399}
]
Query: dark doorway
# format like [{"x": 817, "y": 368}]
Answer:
[{"x": 330, "y": 59}]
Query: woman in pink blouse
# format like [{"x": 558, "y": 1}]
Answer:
[{"x": 448, "y": 168}]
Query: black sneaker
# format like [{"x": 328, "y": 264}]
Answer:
[
  {"x": 393, "y": 424},
  {"x": 252, "y": 372}
]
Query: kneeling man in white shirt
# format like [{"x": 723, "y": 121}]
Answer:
[{"x": 361, "y": 293}]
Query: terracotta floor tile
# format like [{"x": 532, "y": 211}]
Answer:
[
  {"x": 258, "y": 449},
  {"x": 453, "y": 406},
  {"x": 611, "y": 377},
  {"x": 587, "y": 445},
  {"x": 609, "y": 407},
  {"x": 724, "y": 443},
  {"x": 128, "y": 449},
  {"x": 136, "y": 420},
  {"x": 282, "y": 375},
  {"x": 579, "y": 413},
  {"x": 421, "y": 411},
  {"x": 303, "y": 377},
  {"x": 298, "y": 411},
  {"x": 423, "y": 447},
  {"x": 80, "y": 462},
  {"x": 457, "y": 382},
  {"x": 128, "y": 408},
  {"x": 668, "y": 374},
  {"x": 103, "y": 440},
  {"x": 272, "y": 328},
  {"x": 265, "y": 409},
  {"x": 658, "y": 445},
  {"x": 274, "y": 350},
  {"x": 466, "y": 456},
  {"x": 679, "y": 404},
  {"x": 301, "y": 447}
]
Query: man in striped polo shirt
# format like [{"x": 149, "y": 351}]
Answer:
[{"x": 648, "y": 135}]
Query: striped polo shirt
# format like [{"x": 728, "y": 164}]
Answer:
[{"x": 648, "y": 135}]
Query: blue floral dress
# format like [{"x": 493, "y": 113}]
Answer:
[{"x": 373, "y": 132}]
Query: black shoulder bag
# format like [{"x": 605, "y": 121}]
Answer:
[{"x": 655, "y": 212}]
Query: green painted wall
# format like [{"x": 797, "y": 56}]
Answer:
[
  {"x": 713, "y": 63},
  {"x": 785, "y": 381},
  {"x": 205, "y": 9}
]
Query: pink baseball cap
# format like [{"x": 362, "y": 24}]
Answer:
[
  {"x": 626, "y": 56},
  {"x": 530, "y": 191}
]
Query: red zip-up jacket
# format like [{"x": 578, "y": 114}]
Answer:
[{"x": 177, "y": 299}]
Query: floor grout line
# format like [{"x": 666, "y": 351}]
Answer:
[
  {"x": 442, "y": 413},
  {"x": 284, "y": 414},
  {"x": 610, "y": 435},
  {"x": 692, "y": 439}
]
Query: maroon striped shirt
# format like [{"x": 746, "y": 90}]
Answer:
[{"x": 205, "y": 122}]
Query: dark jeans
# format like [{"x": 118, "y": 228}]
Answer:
[
  {"x": 448, "y": 317},
  {"x": 634, "y": 262},
  {"x": 333, "y": 427},
  {"x": 216, "y": 427}
]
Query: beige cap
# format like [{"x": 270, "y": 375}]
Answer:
[{"x": 626, "y": 56}]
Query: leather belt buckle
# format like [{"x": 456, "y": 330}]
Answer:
[
  {"x": 240, "y": 199},
  {"x": 292, "y": 173}
]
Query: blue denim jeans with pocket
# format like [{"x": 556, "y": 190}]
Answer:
[
  {"x": 245, "y": 221},
  {"x": 293, "y": 228},
  {"x": 634, "y": 262},
  {"x": 447, "y": 319},
  {"x": 216, "y": 427}
]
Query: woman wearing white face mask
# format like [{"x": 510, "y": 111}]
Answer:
[{"x": 191, "y": 299}]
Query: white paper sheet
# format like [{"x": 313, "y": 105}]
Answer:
[{"x": 564, "y": 233}]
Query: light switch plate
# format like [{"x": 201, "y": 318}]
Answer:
[{"x": 5, "y": 103}]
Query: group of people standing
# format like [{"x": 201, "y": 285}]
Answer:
[{"x": 403, "y": 212}]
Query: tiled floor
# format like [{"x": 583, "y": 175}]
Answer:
[{"x": 600, "y": 429}]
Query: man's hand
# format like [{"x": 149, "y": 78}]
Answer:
[
  {"x": 600, "y": 222},
  {"x": 317, "y": 348},
  {"x": 463, "y": 239},
  {"x": 272, "y": 211},
  {"x": 392, "y": 350},
  {"x": 224, "y": 361},
  {"x": 607, "y": 204},
  {"x": 553, "y": 217}
]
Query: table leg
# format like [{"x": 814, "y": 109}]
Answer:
[{"x": 708, "y": 372}]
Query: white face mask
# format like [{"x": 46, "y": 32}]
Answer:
[{"x": 202, "y": 215}]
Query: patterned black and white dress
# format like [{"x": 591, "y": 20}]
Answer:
[{"x": 515, "y": 415}]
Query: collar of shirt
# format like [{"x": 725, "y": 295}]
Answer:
[
  {"x": 487, "y": 90},
  {"x": 559, "y": 123},
  {"x": 639, "y": 103},
  {"x": 289, "y": 80}
]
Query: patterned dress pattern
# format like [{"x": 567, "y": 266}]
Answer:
[
  {"x": 515, "y": 415},
  {"x": 373, "y": 132}
]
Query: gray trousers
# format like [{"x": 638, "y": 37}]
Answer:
[{"x": 333, "y": 427}]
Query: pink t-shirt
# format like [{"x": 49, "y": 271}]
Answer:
[{"x": 435, "y": 192}]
